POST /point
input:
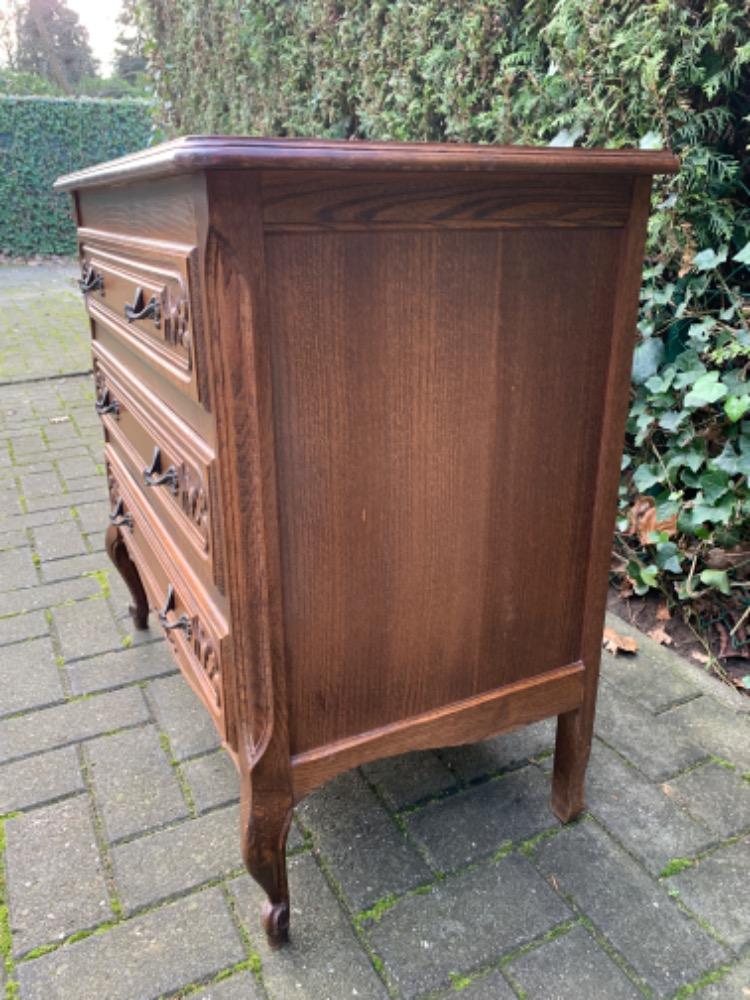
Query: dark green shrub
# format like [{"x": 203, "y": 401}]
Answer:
[{"x": 44, "y": 137}]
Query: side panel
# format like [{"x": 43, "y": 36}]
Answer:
[{"x": 438, "y": 397}]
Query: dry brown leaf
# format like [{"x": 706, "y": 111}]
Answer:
[
  {"x": 662, "y": 613},
  {"x": 642, "y": 520},
  {"x": 700, "y": 657},
  {"x": 659, "y": 635},
  {"x": 615, "y": 643}
]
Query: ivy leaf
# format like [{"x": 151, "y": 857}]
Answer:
[
  {"x": 672, "y": 419},
  {"x": 744, "y": 255},
  {"x": 736, "y": 407},
  {"x": 646, "y": 476},
  {"x": 651, "y": 140},
  {"x": 707, "y": 389},
  {"x": 727, "y": 460},
  {"x": 707, "y": 260},
  {"x": 667, "y": 558},
  {"x": 647, "y": 357},
  {"x": 716, "y": 578},
  {"x": 714, "y": 484}
]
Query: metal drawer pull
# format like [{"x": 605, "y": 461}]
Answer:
[
  {"x": 90, "y": 280},
  {"x": 182, "y": 622},
  {"x": 153, "y": 476},
  {"x": 106, "y": 403},
  {"x": 151, "y": 310},
  {"x": 119, "y": 518}
]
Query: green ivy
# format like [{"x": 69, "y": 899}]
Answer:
[
  {"x": 672, "y": 73},
  {"x": 44, "y": 137}
]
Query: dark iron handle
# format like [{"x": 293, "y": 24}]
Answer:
[
  {"x": 153, "y": 476},
  {"x": 151, "y": 310},
  {"x": 182, "y": 622},
  {"x": 90, "y": 280},
  {"x": 106, "y": 403},
  {"x": 119, "y": 518}
]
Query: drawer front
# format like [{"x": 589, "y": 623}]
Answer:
[
  {"x": 195, "y": 628},
  {"x": 172, "y": 465},
  {"x": 145, "y": 292}
]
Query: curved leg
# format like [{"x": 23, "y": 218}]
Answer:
[
  {"x": 118, "y": 553},
  {"x": 265, "y": 825},
  {"x": 572, "y": 750}
]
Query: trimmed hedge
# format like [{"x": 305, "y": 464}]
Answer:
[{"x": 44, "y": 137}]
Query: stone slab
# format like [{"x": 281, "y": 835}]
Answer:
[
  {"x": 17, "y": 569},
  {"x": 649, "y": 678},
  {"x": 478, "y": 760},
  {"x": 73, "y": 566},
  {"x": 663, "y": 946},
  {"x": 716, "y": 888},
  {"x": 472, "y": 825},
  {"x": 29, "y": 676},
  {"x": 135, "y": 785},
  {"x": 48, "y": 595},
  {"x": 490, "y": 987},
  {"x": 50, "y": 728},
  {"x": 86, "y": 628},
  {"x": 55, "y": 877},
  {"x": 571, "y": 967},
  {"x": 37, "y": 780},
  {"x": 715, "y": 795},
  {"x": 324, "y": 960},
  {"x": 368, "y": 855},
  {"x": 718, "y": 730},
  {"x": 241, "y": 986},
  {"x": 464, "y": 923},
  {"x": 735, "y": 985},
  {"x": 124, "y": 666},
  {"x": 58, "y": 541},
  {"x": 183, "y": 717},
  {"x": 19, "y": 627},
  {"x": 145, "y": 958},
  {"x": 410, "y": 778},
  {"x": 162, "y": 864},
  {"x": 213, "y": 780}
]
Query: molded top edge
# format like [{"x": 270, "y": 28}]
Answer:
[{"x": 195, "y": 152}]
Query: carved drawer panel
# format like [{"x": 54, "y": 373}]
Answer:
[
  {"x": 145, "y": 292},
  {"x": 172, "y": 465},
  {"x": 193, "y": 625}
]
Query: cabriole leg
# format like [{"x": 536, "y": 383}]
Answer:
[
  {"x": 572, "y": 750},
  {"x": 118, "y": 553},
  {"x": 265, "y": 825}
]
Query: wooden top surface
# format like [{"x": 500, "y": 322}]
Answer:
[{"x": 192, "y": 153}]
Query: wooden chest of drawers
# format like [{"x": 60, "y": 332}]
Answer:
[{"x": 363, "y": 407}]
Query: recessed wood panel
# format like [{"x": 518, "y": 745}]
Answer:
[{"x": 438, "y": 400}]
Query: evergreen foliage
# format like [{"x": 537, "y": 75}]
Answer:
[{"x": 52, "y": 43}]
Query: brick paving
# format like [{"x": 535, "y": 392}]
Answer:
[{"x": 435, "y": 875}]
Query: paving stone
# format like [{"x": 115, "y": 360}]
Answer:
[
  {"x": 55, "y": 541},
  {"x": 491, "y": 987},
  {"x": 39, "y": 779},
  {"x": 718, "y": 730},
  {"x": 17, "y": 628},
  {"x": 715, "y": 795},
  {"x": 410, "y": 778},
  {"x": 79, "y": 466},
  {"x": 324, "y": 960},
  {"x": 86, "y": 628},
  {"x": 17, "y": 569},
  {"x": 48, "y": 595},
  {"x": 735, "y": 985},
  {"x": 465, "y": 922},
  {"x": 665, "y": 947},
  {"x": 141, "y": 959},
  {"x": 162, "y": 864},
  {"x": 125, "y": 666},
  {"x": 716, "y": 889},
  {"x": 650, "y": 742},
  {"x": 473, "y": 824},
  {"x": 186, "y": 721},
  {"x": 477, "y": 760},
  {"x": 571, "y": 967},
  {"x": 93, "y": 518},
  {"x": 63, "y": 569},
  {"x": 136, "y": 787},
  {"x": 242, "y": 986},
  {"x": 29, "y": 676},
  {"x": 369, "y": 856},
  {"x": 50, "y": 728},
  {"x": 42, "y": 483},
  {"x": 640, "y": 814},
  {"x": 13, "y": 539},
  {"x": 213, "y": 780},
  {"x": 55, "y": 879},
  {"x": 650, "y": 680},
  {"x": 58, "y": 501}
]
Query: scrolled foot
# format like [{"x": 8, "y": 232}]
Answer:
[{"x": 275, "y": 919}]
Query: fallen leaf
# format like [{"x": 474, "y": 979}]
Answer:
[
  {"x": 662, "y": 613},
  {"x": 642, "y": 520},
  {"x": 659, "y": 635},
  {"x": 615, "y": 643},
  {"x": 700, "y": 657},
  {"x": 59, "y": 420}
]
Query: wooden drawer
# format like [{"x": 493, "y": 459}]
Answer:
[
  {"x": 193, "y": 625},
  {"x": 172, "y": 465},
  {"x": 145, "y": 292}
]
